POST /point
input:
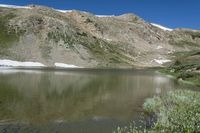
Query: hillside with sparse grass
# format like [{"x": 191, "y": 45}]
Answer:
[{"x": 46, "y": 35}]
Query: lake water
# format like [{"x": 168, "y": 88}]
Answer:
[{"x": 82, "y": 101}]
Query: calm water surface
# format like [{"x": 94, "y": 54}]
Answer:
[{"x": 96, "y": 101}]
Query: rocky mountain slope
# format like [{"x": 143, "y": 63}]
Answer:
[{"x": 42, "y": 34}]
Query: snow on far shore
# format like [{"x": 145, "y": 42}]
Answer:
[
  {"x": 161, "y": 61},
  {"x": 162, "y": 27},
  {"x": 66, "y": 65},
  {"x": 11, "y": 63}
]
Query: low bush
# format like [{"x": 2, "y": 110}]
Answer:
[{"x": 177, "y": 112}]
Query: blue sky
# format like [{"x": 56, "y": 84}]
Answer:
[{"x": 170, "y": 13}]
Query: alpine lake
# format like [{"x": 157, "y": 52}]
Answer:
[{"x": 76, "y": 100}]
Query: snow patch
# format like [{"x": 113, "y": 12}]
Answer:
[
  {"x": 11, "y": 63},
  {"x": 159, "y": 47},
  {"x": 161, "y": 61},
  {"x": 108, "y": 39},
  {"x": 104, "y": 15},
  {"x": 65, "y": 65},
  {"x": 162, "y": 27},
  {"x": 63, "y": 11},
  {"x": 14, "y": 6}
]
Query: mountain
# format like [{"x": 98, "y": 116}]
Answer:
[{"x": 49, "y": 36}]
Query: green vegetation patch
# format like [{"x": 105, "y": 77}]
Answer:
[
  {"x": 56, "y": 36},
  {"x": 107, "y": 52},
  {"x": 186, "y": 68},
  {"x": 185, "y": 54},
  {"x": 194, "y": 34},
  {"x": 177, "y": 112},
  {"x": 7, "y": 35},
  {"x": 183, "y": 43},
  {"x": 189, "y": 72}
]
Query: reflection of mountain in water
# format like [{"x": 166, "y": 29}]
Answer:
[{"x": 72, "y": 96}]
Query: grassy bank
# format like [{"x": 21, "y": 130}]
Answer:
[
  {"x": 187, "y": 72},
  {"x": 186, "y": 68},
  {"x": 177, "y": 112}
]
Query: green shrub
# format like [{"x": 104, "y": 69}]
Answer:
[{"x": 177, "y": 112}]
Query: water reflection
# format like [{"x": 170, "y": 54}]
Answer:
[{"x": 43, "y": 97}]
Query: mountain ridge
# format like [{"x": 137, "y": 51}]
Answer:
[{"x": 45, "y": 35}]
